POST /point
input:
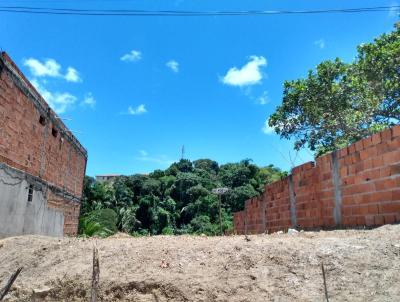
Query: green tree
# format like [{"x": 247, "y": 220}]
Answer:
[
  {"x": 237, "y": 174},
  {"x": 206, "y": 164},
  {"x": 340, "y": 103},
  {"x": 202, "y": 225},
  {"x": 129, "y": 222},
  {"x": 236, "y": 197},
  {"x": 175, "y": 201}
]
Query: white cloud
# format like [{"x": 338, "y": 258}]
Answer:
[
  {"x": 72, "y": 75},
  {"x": 89, "y": 101},
  {"x": 159, "y": 159},
  {"x": 263, "y": 99},
  {"x": 59, "y": 102},
  {"x": 138, "y": 110},
  {"x": 173, "y": 65},
  {"x": 132, "y": 56},
  {"x": 249, "y": 74},
  {"x": 51, "y": 68},
  {"x": 267, "y": 129},
  {"x": 48, "y": 68},
  {"x": 320, "y": 43}
]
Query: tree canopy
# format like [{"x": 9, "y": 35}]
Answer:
[
  {"x": 340, "y": 103},
  {"x": 174, "y": 201}
]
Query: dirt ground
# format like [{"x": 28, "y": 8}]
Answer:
[{"x": 361, "y": 265}]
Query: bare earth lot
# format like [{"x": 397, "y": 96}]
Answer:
[{"x": 360, "y": 266}]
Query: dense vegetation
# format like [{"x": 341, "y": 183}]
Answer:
[
  {"x": 175, "y": 201},
  {"x": 337, "y": 104},
  {"x": 340, "y": 103}
]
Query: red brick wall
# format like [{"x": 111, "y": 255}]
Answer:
[
  {"x": 370, "y": 176},
  {"x": 277, "y": 209},
  {"x": 254, "y": 215},
  {"x": 367, "y": 190},
  {"x": 71, "y": 212}
]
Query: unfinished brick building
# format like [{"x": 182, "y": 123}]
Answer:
[{"x": 42, "y": 164}]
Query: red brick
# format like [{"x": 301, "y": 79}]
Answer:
[
  {"x": 389, "y": 219},
  {"x": 396, "y": 195},
  {"x": 379, "y": 220},
  {"x": 364, "y": 154},
  {"x": 364, "y": 210},
  {"x": 391, "y": 157},
  {"x": 359, "y": 166},
  {"x": 347, "y": 160},
  {"x": 346, "y": 211},
  {"x": 386, "y": 135},
  {"x": 359, "y": 145},
  {"x": 343, "y": 152},
  {"x": 352, "y": 148},
  {"x": 369, "y": 220},
  {"x": 385, "y": 184},
  {"x": 349, "y": 221},
  {"x": 385, "y": 171},
  {"x": 348, "y": 200},
  {"x": 349, "y": 180},
  {"x": 372, "y": 175},
  {"x": 367, "y": 142},
  {"x": 373, "y": 209},
  {"x": 329, "y": 222},
  {"x": 396, "y": 131},
  {"x": 361, "y": 220},
  {"x": 355, "y": 211},
  {"x": 394, "y": 144},
  {"x": 376, "y": 138},
  {"x": 343, "y": 171},
  {"x": 381, "y": 196},
  {"x": 391, "y": 207}
]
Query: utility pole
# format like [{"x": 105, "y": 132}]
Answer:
[{"x": 220, "y": 192}]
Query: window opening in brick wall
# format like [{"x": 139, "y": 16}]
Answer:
[
  {"x": 42, "y": 120},
  {"x": 30, "y": 193},
  {"x": 54, "y": 132}
]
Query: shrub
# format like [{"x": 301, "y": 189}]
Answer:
[{"x": 101, "y": 223}]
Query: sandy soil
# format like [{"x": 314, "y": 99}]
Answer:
[{"x": 361, "y": 265}]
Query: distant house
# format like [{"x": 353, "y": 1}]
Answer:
[
  {"x": 42, "y": 164},
  {"x": 110, "y": 178}
]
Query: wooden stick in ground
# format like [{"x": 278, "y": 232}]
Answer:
[
  {"x": 220, "y": 215},
  {"x": 326, "y": 289},
  {"x": 95, "y": 275},
  {"x": 10, "y": 282}
]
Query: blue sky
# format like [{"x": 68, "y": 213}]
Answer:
[{"x": 135, "y": 89}]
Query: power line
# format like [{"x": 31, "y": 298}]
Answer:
[{"x": 129, "y": 12}]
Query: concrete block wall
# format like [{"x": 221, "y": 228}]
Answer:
[{"x": 355, "y": 186}]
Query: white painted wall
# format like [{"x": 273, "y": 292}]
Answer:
[{"x": 18, "y": 216}]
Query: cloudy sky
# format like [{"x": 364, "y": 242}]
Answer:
[{"x": 135, "y": 89}]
